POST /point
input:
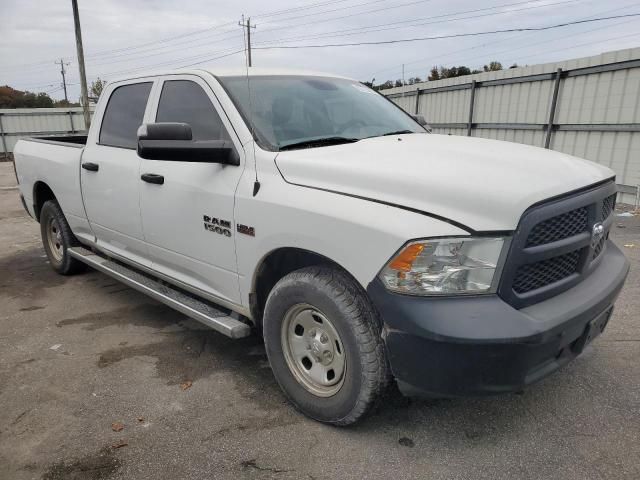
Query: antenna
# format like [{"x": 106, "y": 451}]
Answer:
[{"x": 247, "y": 40}]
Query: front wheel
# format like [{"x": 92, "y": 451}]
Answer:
[
  {"x": 57, "y": 239},
  {"x": 323, "y": 340}
]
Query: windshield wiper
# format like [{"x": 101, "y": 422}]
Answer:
[
  {"x": 318, "y": 142},
  {"x": 398, "y": 132}
]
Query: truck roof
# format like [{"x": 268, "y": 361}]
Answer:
[{"x": 232, "y": 72}]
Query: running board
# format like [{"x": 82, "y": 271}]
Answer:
[{"x": 193, "y": 307}]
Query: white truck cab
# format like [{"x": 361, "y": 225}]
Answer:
[{"x": 311, "y": 209}]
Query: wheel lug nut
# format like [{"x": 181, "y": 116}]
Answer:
[
  {"x": 327, "y": 355},
  {"x": 324, "y": 338}
]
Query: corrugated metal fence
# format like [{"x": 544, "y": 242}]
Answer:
[
  {"x": 588, "y": 107},
  {"x": 16, "y": 123}
]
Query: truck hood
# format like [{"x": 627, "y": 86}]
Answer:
[{"x": 481, "y": 184}]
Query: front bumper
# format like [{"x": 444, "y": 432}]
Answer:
[{"x": 480, "y": 345}]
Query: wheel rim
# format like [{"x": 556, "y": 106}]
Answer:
[
  {"x": 313, "y": 350},
  {"x": 54, "y": 239}
]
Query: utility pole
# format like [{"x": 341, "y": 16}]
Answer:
[
  {"x": 248, "y": 26},
  {"x": 64, "y": 80},
  {"x": 83, "y": 76}
]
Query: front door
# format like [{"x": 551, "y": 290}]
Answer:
[
  {"x": 188, "y": 220},
  {"x": 110, "y": 173}
]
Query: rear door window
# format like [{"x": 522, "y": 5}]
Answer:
[{"x": 124, "y": 115}]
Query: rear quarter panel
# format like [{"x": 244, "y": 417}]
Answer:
[{"x": 58, "y": 166}]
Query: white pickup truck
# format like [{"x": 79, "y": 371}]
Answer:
[{"x": 311, "y": 209}]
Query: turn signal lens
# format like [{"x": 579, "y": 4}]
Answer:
[{"x": 405, "y": 259}]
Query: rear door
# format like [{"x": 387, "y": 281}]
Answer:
[
  {"x": 188, "y": 220},
  {"x": 110, "y": 172}
]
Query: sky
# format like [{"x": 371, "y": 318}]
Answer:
[{"x": 131, "y": 36}]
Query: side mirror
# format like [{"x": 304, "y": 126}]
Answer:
[
  {"x": 174, "y": 142},
  {"x": 419, "y": 118}
]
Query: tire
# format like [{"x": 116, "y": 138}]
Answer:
[
  {"x": 302, "y": 307},
  {"x": 57, "y": 238}
]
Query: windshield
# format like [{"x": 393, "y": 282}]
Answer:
[{"x": 305, "y": 112}]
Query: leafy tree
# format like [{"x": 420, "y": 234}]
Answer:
[
  {"x": 493, "y": 67},
  {"x": 458, "y": 71},
  {"x": 440, "y": 72},
  {"x": 65, "y": 103},
  {"x": 96, "y": 87},
  {"x": 12, "y": 98}
]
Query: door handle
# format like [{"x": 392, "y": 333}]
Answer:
[
  {"x": 92, "y": 167},
  {"x": 152, "y": 178}
]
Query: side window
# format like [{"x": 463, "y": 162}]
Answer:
[
  {"x": 185, "y": 101},
  {"x": 124, "y": 114}
]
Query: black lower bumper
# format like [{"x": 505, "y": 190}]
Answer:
[{"x": 479, "y": 345}]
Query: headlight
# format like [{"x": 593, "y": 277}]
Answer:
[{"x": 444, "y": 266}]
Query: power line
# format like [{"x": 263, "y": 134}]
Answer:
[
  {"x": 370, "y": 2},
  {"x": 529, "y": 45},
  {"x": 392, "y": 23},
  {"x": 211, "y": 59},
  {"x": 174, "y": 37},
  {"x": 138, "y": 50},
  {"x": 119, "y": 53},
  {"x": 341, "y": 17},
  {"x": 128, "y": 49},
  {"x": 223, "y": 53},
  {"x": 161, "y": 40},
  {"x": 153, "y": 44},
  {"x": 448, "y": 54},
  {"x": 456, "y": 35},
  {"x": 146, "y": 54},
  {"x": 48, "y": 92},
  {"x": 634, "y": 34},
  {"x": 304, "y": 7},
  {"x": 373, "y": 29},
  {"x": 205, "y": 41}
]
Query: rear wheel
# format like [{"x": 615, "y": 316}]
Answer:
[
  {"x": 323, "y": 339},
  {"x": 57, "y": 238}
]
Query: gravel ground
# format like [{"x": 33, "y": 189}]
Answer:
[{"x": 78, "y": 354}]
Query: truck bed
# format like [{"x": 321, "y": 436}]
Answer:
[
  {"x": 73, "y": 140},
  {"x": 55, "y": 162}
]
